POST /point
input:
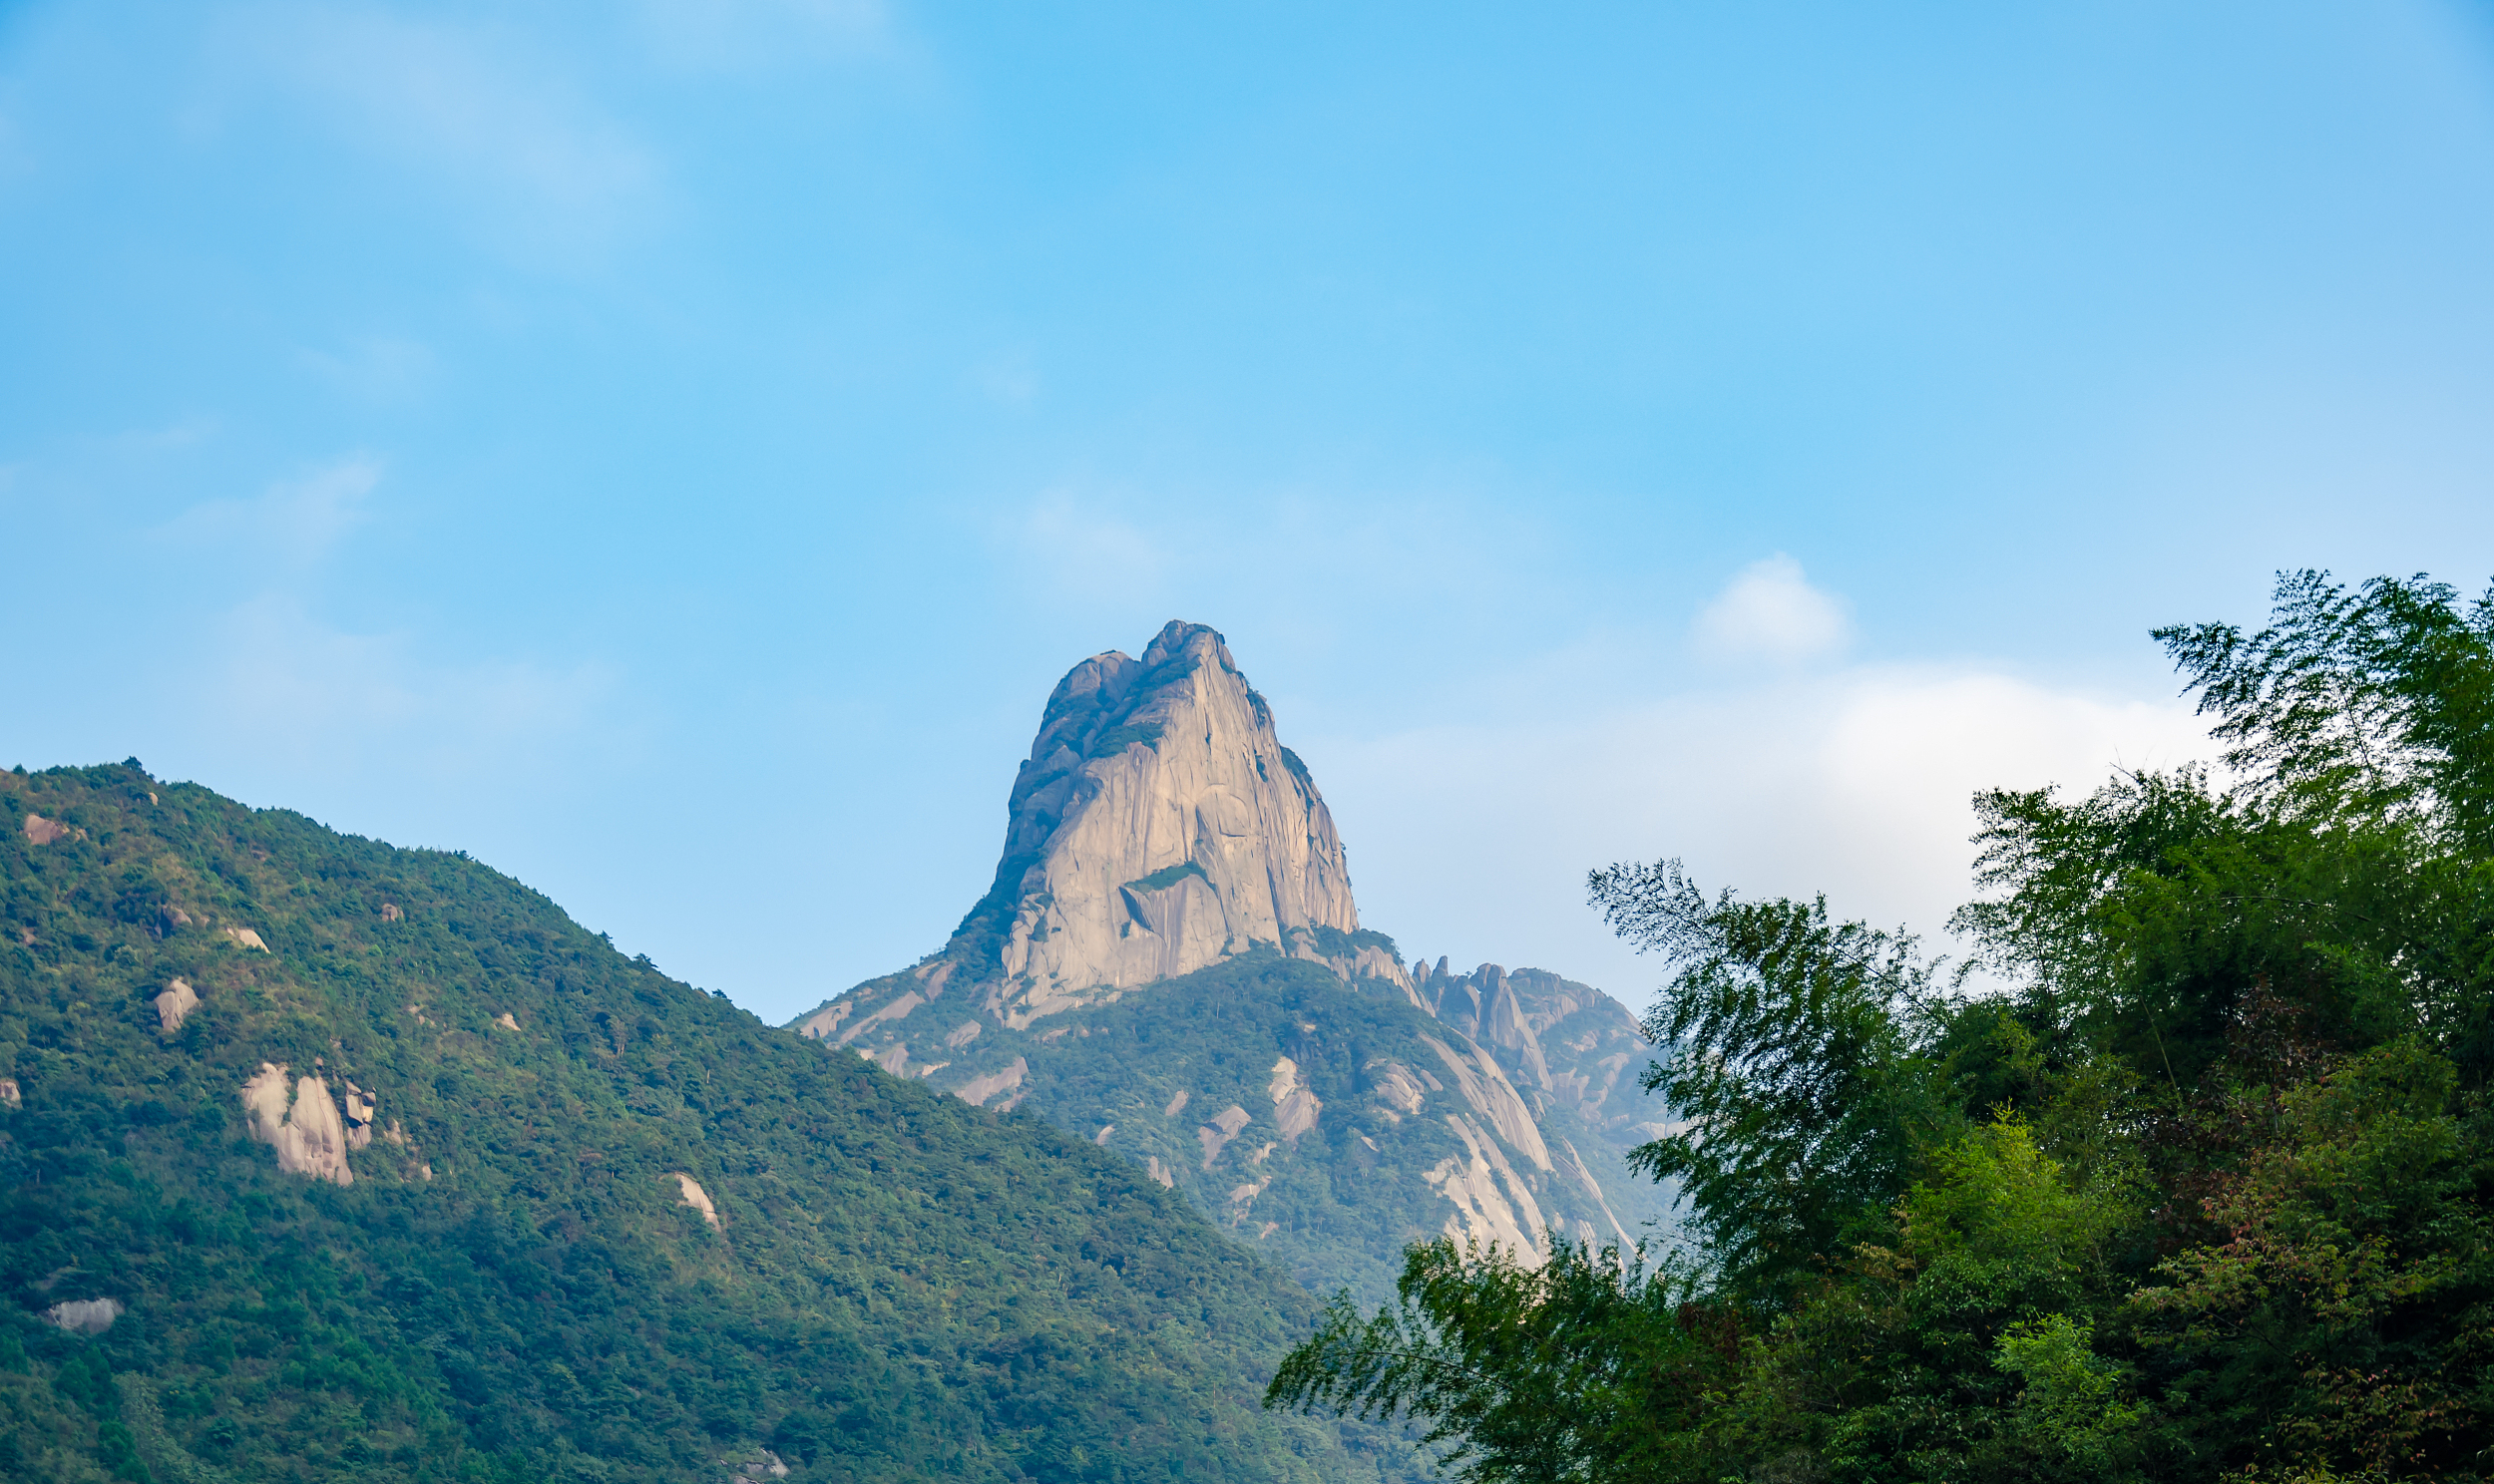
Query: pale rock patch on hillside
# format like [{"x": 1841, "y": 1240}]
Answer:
[
  {"x": 824, "y": 1021},
  {"x": 691, "y": 1193},
  {"x": 1518, "y": 1013},
  {"x": 893, "y": 1058},
  {"x": 360, "y": 1109},
  {"x": 1574, "y": 1163},
  {"x": 1493, "y": 1098},
  {"x": 824, "y": 1024},
  {"x": 897, "y": 1011},
  {"x": 308, "y": 1134},
  {"x": 1177, "y": 1106},
  {"x": 41, "y": 831},
  {"x": 977, "y": 1091},
  {"x": 85, "y": 1316},
  {"x": 1224, "y": 1127},
  {"x": 507, "y": 1022},
  {"x": 174, "y": 1006},
  {"x": 1481, "y": 1212},
  {"x": 961, "y": 1035},
  {"x": 1399, "y": 1094},
  {"x": 10, "y": 1097},
  {"x": 1243, "y": 1197},
  {"x": 1295, "y": 1108},
  {"x": 1162, "y": 1173},
  {"x": 247, "y": 938}
]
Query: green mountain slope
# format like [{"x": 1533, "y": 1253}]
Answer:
[
  {"x": 1355, "y": 1124},
  {"x": 514, "y": 1284}
]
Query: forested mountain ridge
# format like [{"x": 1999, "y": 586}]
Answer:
[
  {"x": 326, "y": 1158},
  {"x": 1170, "y": 963}
]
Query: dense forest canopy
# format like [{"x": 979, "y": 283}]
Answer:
[{"x": 2201, "y": 1194}]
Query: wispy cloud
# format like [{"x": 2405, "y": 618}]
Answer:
[
  {"x": 297, "y": 520},
  {"x": 1770, "y": 613},
  {"x": 747, "y": 35},
  {"x": 1009, "y": 378},
  {"x": 283, "y": 682},
  {"x": 1073, "y": 547},
  {"x": 376, "y": 369},
  {"x": 480, "y": 115}
]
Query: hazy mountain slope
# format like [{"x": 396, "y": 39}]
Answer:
[
  {"x": 515, "y": 1284},
  {"x": 1328, "y": 1123},
  {"x": 1165, "y": 858}
]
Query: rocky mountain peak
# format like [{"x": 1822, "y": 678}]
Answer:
[{"x": 1158, "y": 827}]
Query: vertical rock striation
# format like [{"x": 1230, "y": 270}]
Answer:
[{"x": 1159, "y": 826}]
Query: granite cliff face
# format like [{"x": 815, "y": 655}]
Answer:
[
  {"x": 1158, "y": 827},
  {"x": 1170, "y": 964}
]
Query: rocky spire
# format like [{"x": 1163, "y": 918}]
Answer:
[{"x": 1158, "y": 827}]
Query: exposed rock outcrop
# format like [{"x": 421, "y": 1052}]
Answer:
[
  {"x": 304, "y": 1126},
  {"x": 1512, "y": 1220},
  {"x": 41, "y": 831},
  {"x": 357, "y": 1105},
  {"x": 977, "y": 1091},
  {"x": 694, "y": 1195},
  {"x": 1563, "y": 1043},
  {"x": 85, "y": 1316},
  {"x": 246, "y": 937},
  {"x": 174, "y": 1006},
  {"x": 10, "y": 1097},
  {"x": 1295, "y": 1106},
  {"x": 1216, "y": 1135}
]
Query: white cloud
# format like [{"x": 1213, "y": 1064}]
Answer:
[
  {"x": 1770, "y": 613},
  {"x": 296, "y": 520},
  {"x": 1856, "y": 782}
]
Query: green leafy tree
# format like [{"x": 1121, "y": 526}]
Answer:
[{"x": 1543, "y": 1374}]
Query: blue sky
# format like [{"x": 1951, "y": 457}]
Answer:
[{"x": 670, "y": 450}]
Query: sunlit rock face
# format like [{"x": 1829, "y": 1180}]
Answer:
[
  {"x": 1158, "y": 827},
  {"x": 301, "y": 1122}
]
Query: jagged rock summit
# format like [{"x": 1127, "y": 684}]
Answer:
[{"x": 1158, "y": 827}]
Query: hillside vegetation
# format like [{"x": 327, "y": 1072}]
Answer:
[
  {"x": 487, "y": 1262},
  {"x": 1344, "y": 1146}
]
